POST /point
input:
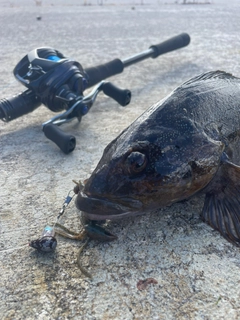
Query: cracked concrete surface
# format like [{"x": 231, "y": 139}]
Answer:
[{"x": 196, "y": 270}]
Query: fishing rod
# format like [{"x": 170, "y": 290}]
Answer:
[{"x": 59, "y": 82}]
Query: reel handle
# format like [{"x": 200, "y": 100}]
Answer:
[{"x": 67, "y": 142}]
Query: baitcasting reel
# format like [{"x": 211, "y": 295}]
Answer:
[{"x": 59, "y": 82}]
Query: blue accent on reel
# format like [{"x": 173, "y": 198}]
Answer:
[
  {"x": 85, "y": 109},
  {"x": 53, "y": 58}
]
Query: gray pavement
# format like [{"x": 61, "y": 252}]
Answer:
[{"x": 197, "y": 271}]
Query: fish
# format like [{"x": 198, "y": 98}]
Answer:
[{"x": 185, "y": 145}]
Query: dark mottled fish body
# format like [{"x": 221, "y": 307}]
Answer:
[{"x": 184, "y": 144}]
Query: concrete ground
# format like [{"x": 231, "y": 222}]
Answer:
[{"x": 196, "y": 270}]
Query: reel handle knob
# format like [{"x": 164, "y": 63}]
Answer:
[
  {"x": 66, "y": 142},
  {"x": 122, "y": 96}
]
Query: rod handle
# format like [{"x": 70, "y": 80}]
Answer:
[
  {"x": 18, "y": 105},
  {"x": 103, "y": 71},
  {"x": 174, "y": 43}
]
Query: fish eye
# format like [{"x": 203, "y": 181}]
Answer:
[{"x": 136, "y": 162}]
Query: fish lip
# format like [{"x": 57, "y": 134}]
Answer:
[
  {"x": 96, "y": 208},
  {"x": 92, "y": 216}
]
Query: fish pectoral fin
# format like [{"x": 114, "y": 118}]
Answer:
[{"x": 222, "y": 204}]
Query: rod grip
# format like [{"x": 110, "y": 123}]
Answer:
[
  {"x": 18, "y": 105},
  {"x": 64, "y": 141},
  {"x": 103, "y": 71},
  {"x": 177, "y": 42}
]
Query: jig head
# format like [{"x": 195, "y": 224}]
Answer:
[{"x": 47, "y": 242}]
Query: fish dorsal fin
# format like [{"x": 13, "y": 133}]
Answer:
[
  {"x": 222, "y": 204},
  {"x": 209, "y": 76}
]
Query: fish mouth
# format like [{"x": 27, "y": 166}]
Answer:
[{"x": 99, "y": 208}]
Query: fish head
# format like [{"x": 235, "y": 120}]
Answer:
[{"x": 147, "y": 167}]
